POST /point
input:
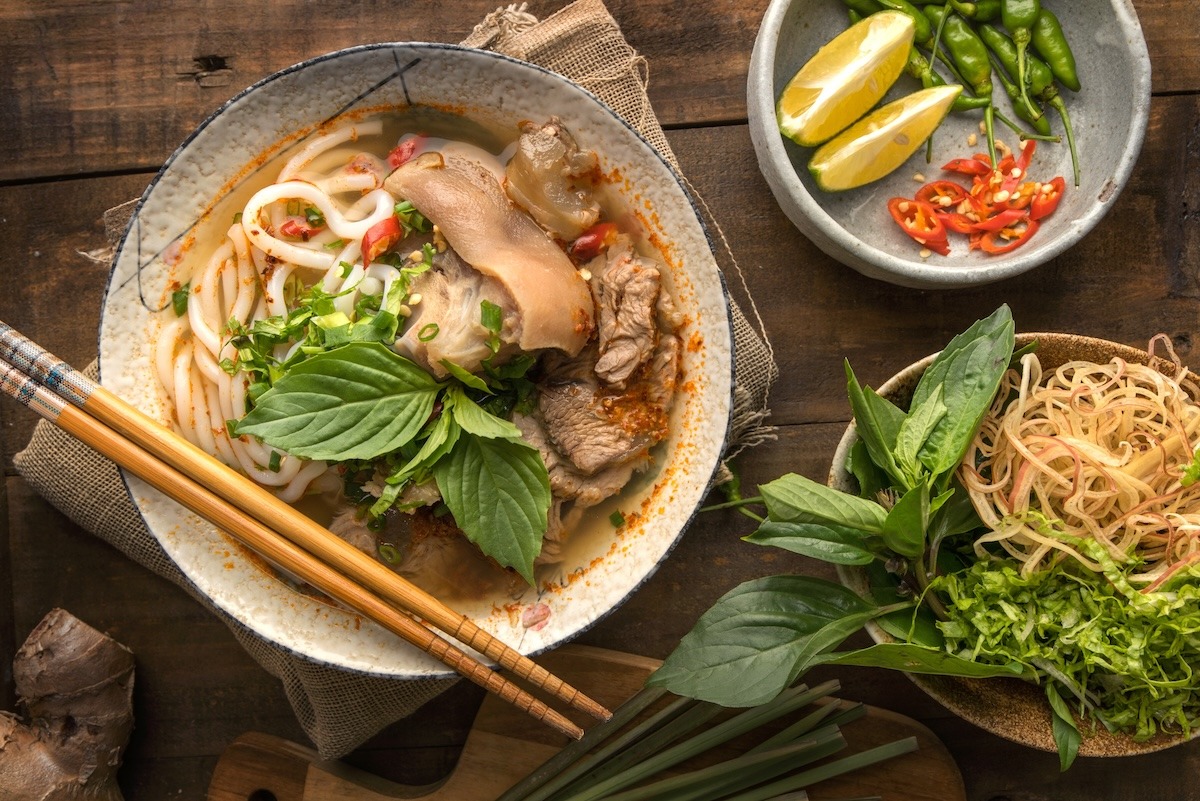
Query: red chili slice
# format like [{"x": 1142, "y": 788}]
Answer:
[
  {"x": 298, "y": 229},
  {"x": 919, "y": 220},
  {"x": 380, "y": 238},
  {"x": 972, "y": 166},
  {"x": 942, "y": 194},
  {"x": 1009, "y": 238},
  {"x": 1046, "y": 201},
  {"x": 957, "y": 222},
  {"x": 404, "y": 151},
  {"x": 594, "y": 241},
  {"x": 1001, "y": 219}
]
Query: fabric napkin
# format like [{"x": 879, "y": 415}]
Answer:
[{"x": 340, "y": 710}]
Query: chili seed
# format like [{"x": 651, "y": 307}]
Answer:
[
  {"x": 919, "y": 178},
  {"x": 925, "y": 253},
  {"x": 1001, "y": 196}
]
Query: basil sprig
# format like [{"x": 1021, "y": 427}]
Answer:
[{"x": 759, "y": 637}]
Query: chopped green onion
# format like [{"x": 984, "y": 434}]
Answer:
[
  {"x": 347, "y": 268},
  {"x": 389, "y": 553},
  {"x": 179, "y": 299},
  {"x": 335, "y": 245},
  {"x": 273, "y": 463},
  {"x": 237, "y": 218},
  {"x": 314, "y": 217},
  {"x": 617, "y": 519},
  {"x": 428, "y": 332}
]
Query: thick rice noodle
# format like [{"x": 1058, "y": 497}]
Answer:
[{"x": 1089, "y": 451}]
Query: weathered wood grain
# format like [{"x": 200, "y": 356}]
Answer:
[{"x": 94, "y": 88}]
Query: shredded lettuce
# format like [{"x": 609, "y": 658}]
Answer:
[{"x": 1122, "y": 655}]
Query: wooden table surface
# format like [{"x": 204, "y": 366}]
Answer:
[{"x": 96, "y": 95}]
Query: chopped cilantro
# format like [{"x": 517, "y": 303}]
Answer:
[{"x": 179, "y": 299}]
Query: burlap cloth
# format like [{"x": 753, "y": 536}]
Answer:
[{"x": 339, "y": 710}]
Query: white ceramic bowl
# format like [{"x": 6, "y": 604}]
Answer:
[
  {"x": 193, "y": 198},
  {"x": 1008, "y": 707},
  {"x": 1108, "y": 114}
]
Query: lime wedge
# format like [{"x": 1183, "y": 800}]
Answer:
[
  {"x": 845, "y": 78},
  {"x": 881, "y": 141}
]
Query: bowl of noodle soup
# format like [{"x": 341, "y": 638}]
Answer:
[
  {"x": 1110, "y": 403},
  {"x": 280, "y": 215}
]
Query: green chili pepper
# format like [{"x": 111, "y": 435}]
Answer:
[
  {"x": 1041, "y": 125},
  {"x": 978, "y": 11},
  {"x": 1051, "y": 43},
  {"x": 919, "y": 67},
  {"x": 863, "y": 7},
  {"x": 971, "y": 59},
  {"x": 1041, "y": 82},
  {"x": 1019, "y": 17},
  {"x": 923, "y": 31}
]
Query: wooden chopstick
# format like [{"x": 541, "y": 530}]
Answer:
[{"x": 67, "y": 384}]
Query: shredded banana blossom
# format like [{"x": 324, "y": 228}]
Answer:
[{"x": 1090, "y": 451}]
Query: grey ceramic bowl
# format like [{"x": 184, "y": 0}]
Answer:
[
  {"x": 212, "y": 175},
  {"x": 1010, "y": 708},
  {"x": 1108, "y": 115}
]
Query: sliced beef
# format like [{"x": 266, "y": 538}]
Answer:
[{"x": 627, "y": 289}]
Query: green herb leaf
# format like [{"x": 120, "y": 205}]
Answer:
[
  {"x": 877, "y": 422},
  {"x": 467, "y": 377},
  {"x": 443, "y": 433},
  {"x": 357, "y": 402},
  {"x": 835, "y": 544},
  {"x": 750, "y": 645},
  {"x": 1066, "y": 732},
  {"x": 1192, "y": 474},
  {"x": 918, "y": 659},
  {"x": 499, "y": 493},
  {"x": 796, "y": 499},
  {"x": 871, "y": 480},
  {"x": 914, "y": 431},
  {"x": 906, "y": 522},
  {"x": 474, "y": 420},
  {"x": 969, "y": 370},
  {"x": 179, "y": 299}
]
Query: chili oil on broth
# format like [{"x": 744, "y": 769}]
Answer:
[{"x": 598, "y": 532}]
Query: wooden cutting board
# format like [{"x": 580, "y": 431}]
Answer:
[{"x": 504, "y": 745}]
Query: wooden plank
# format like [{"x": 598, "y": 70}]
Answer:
[{"x": 94, "y": 88}]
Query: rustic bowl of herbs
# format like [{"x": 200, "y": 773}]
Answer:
[{"x": 895, "y": 507}]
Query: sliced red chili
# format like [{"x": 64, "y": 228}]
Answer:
[
  {"x": 404, "y": 151},
  {"x": 1008, "y": 239},
  {"x": 918, "y": 219},
  {"x": 380, "y": 238},
  {"x": 1001, "y": 219},
  {"x": 942, "y": 194},
  {"x": 972, "y": 166},
  {"x": 1045, "y": 201},
  {"x": 594, "y": 241},
  {"x": 298, "y": 229},
  {"x": 956, "y": 221}
]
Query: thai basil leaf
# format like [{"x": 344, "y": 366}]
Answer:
[
  {"x": 871, "y": 480},
  {"x": 499, "y": 493},
  {"x": 969, "y": 370},
  {"x": 748, "y": 646},
  {"x": 836, "y": 544},
  {"x": 442, "y": 435},
  {"x": 795, "y": 499},
  {"x": 357, "y": 402},
  {"x": 905, "y": 525},
  {"x": 916, "y": 625},
  {"x": 918, "y": 659},
  {"x": 475, "y": 420},
  {"x": 956, "y": 515},
  {"x": 877, "y": 422},
  {"x": 914, "y": 431},
  {"x": 1066, "y": 732},
  {"x": 466, "y": 376}
]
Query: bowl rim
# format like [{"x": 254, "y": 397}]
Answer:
[
  {"x": 981, "y": 701},
  {"x": 811, "y": 218},
  {"x": 724, "y": 326}
]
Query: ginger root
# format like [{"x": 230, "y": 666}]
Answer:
[{"x": 76, "y": 686}]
